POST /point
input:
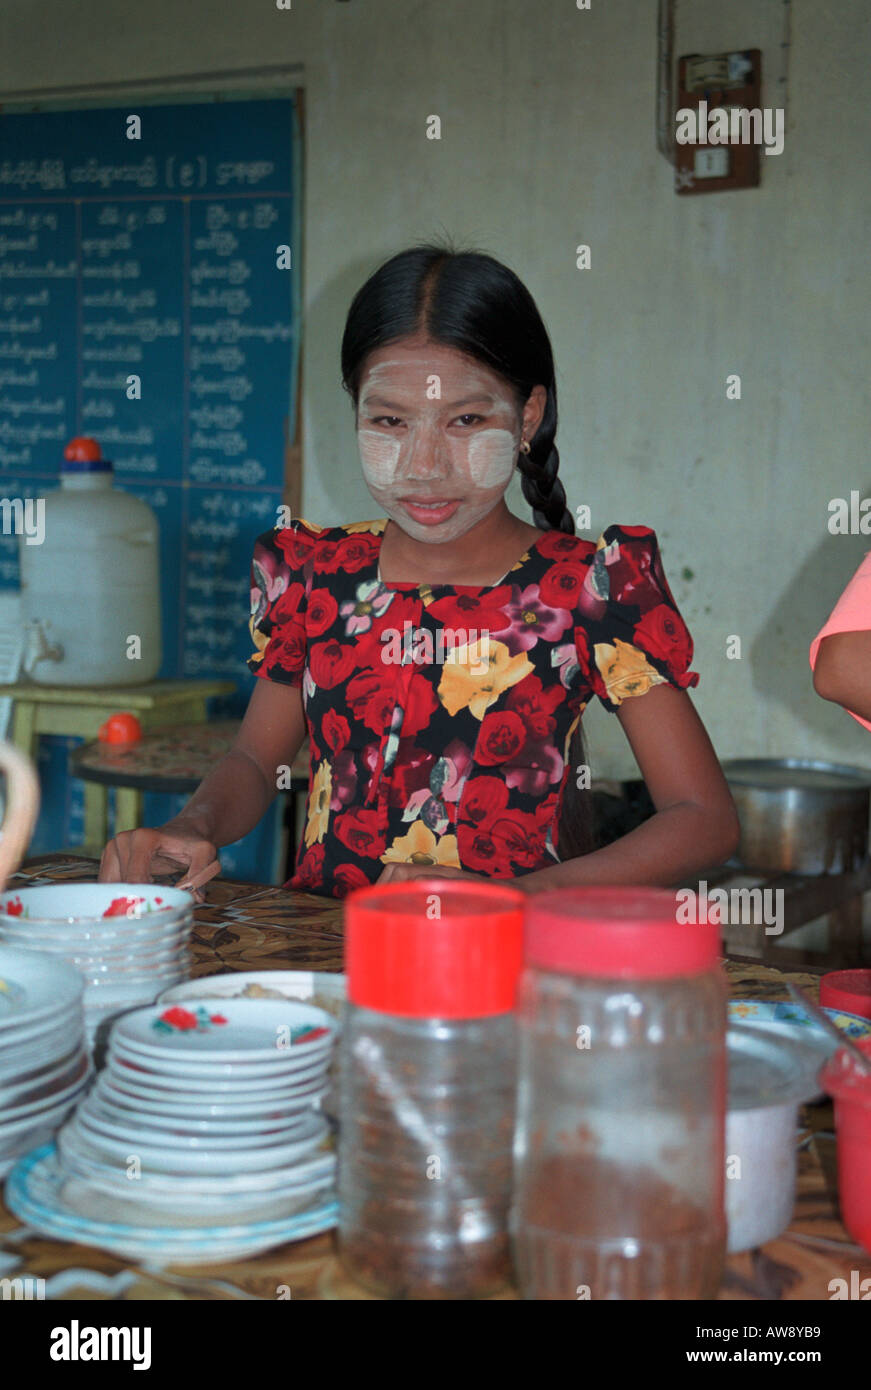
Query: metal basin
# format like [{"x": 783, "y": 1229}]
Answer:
[{"x": 799, "y": 815}]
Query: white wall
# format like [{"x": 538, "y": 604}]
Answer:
[{"x": 548, "y": 141}]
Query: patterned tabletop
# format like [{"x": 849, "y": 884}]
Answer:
[
  {"x": 243, "y": 926},
  {"x": 171, "y": 759}
]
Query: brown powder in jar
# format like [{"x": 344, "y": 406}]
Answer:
[{"x": 576, "y": 1210}]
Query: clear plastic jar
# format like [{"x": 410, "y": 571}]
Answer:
[
  {"x": 427, "y": 1088},
  {"x": 621, "y": 1104}
]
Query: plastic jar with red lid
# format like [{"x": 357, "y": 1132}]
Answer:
[
  {"x": 621, "y": 1105},
  {"x": 850, "y": 1088},
  {"x": 427, "y": 1087}
]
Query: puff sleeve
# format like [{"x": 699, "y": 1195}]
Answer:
[
  {"x": 281, "y": 571},
  {"x": 632, "y": 635}
]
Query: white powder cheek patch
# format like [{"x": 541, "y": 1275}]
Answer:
[
  {"x": 379, "y": 455},
  {"x": 491, "y": 455}
]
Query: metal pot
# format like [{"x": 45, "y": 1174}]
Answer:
[{"x": 799, "y": 815}]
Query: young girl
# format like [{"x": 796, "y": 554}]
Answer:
[{"x": 440, "y": 659}]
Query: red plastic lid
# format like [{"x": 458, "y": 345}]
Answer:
[
  {"x": 434, "y": 948},
  {"x": 847, "y": 990},
  {"x": 82, "y": 450},
  {"x": 120, "y": 728},
  {"x": 622, "y": 933}
]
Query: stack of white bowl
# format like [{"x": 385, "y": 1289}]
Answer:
[
  {"x": 129, "y": 941},
  {"x": 205, "y": 1124},
  {"x": 44, "y": 1060}
]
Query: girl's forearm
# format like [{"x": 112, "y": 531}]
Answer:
[
  {"x": 229, "y": 802},
  {"x": 671, "y": 846}
]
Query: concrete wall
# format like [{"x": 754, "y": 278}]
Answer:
[{"x": 549, "y": 140}]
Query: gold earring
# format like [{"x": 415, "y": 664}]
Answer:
[{"x": 525, "y": 447}]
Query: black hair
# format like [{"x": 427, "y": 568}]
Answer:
[{"x": 470, "y": 301}]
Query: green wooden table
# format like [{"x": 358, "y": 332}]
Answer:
[{"x": 79, "y": 711}]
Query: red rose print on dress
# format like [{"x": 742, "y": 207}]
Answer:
[
  {"x": 484, "y": 797},
  {"x": 545, "y": 811},
  {"x": 371, "y": 698},
  {"x": 285, "y": 653},
  {"x": 286, "y": 606},
  {"x": 519, "y": 837},
  {"x": 663, "y": 635},
  {"x": 479, "y": 852},
  {"x": 562, "y": 584},
  {"x": 350, "y": 554},
  {"x": 502, "y": 736},
  {"x": 633, "y": 580},
  {"x": 321, "y": 612},
  {"x": 398, "y": 750},
  {"x": 296, "y": 546},
  {"x": 309, "y": 872},
  {"x": 535, "y": 705},
  {"x": 501, "y": 844},
  {"x": 588, "y": 666},
  {"x": 359, "y": 831},
  {"x": 421, "y": 703},
  {"x": 473, "y": 612},
  {"x": 557, "y": 545},
  {"x": 331, "y": 662},
  {"x": 411, "y": 773},
  {"x": 336, "y": 731},
  {"x": 348, "y": 877}
]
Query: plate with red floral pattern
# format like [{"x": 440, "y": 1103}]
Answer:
[{"x": 228, "y": 1030}]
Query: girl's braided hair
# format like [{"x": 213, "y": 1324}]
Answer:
[{"x": 470, "y": 301}]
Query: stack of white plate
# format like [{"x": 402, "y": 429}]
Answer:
[
  {"x": 203, "y": 1133},
  {"x": 326, "y": 989},
  {"x": 130, "y": 941},
  {"x": 44, "y": 1061}
]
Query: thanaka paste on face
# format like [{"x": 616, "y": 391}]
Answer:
[
  {"x": 425, "y": 461},
  {"x": 379, "y": 455}
]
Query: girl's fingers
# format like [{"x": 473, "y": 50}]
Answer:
[{"x": 110, "y": 865}]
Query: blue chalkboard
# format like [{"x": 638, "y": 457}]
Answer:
[{"x": 157, "y": 256}]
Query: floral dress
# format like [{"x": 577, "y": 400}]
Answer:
[{"x": 439, "y": 716}]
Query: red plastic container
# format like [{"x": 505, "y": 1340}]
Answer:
[
  {"x": 851, "y": 1090},
  {"x": 847, "y": 990},
  {"x": 427, "y": 1091}
]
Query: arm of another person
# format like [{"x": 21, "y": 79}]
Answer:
[
  {"x": 842, "y": 672},
  {"x": 228, "y": 803}
]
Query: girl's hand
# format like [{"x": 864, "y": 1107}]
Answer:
[
  {"x": 399, "y": 873},
  {"x": 139, "y": 856}
]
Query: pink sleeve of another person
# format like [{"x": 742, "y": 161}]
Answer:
[{"x": 852, "y": 613}]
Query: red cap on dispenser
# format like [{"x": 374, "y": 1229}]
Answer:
[
  {"x": 434, "y": 948},
  {"x": 619, "y": 933},
  {"x": 82, "y": 449}
]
